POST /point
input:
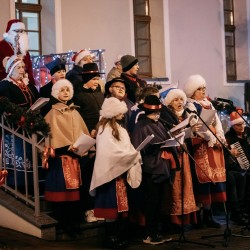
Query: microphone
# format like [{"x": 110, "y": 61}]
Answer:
[
  {"x": 165, "y": 122},
  {"x": 224, "y": 100},
  {"x": 190, "y": 111}
]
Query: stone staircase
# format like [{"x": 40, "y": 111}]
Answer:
[{"x": 16, "y": 215}]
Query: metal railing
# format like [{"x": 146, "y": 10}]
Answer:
[{"x": 20, "y": 155}]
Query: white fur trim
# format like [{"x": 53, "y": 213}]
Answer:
[
  {"x": 58, "y": 85},
  {"x": 17, "y": 26},
  {"x": 5, "y": 35},
  {"x": 174, "y": 93},
  {"x": 82, "y": 54},
  {"x": 236, "y": 121},
  {"x": 112, "y": 107},
  {"x": 193, "y": 83},
  {"x": 11, "y": 64}
]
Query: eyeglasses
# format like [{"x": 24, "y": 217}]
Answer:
[
  {"x": 119, "y": 87},
  {"x": 19, "y": 31}
]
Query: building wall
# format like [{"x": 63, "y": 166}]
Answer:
[
  {"x": 98, "y": 24},
  {"x": 187, "y": 36},
  {"x": 6, "y": 12},
  {"x": 197, "y": 46}
]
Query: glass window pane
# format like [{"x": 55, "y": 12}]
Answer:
[
  {"x": 230, "y": 55},
  {"x": 229, "y": 39},
  {"x": 143, "y": 47},
  {"x": 31, "y": 20},
  {"x": 231, "y": 69},
  {"x": 142, "y": 30},
  {"x": 33, "y": 40},
  {"x": 141, "y": 7},
  {"x": 30, "y": 1},
  {"x": 228, "y": 18},
  {"x": 34, "y": 53},
  {"x": 228, "y": 4},
  {"x": 144, "y": 64}
]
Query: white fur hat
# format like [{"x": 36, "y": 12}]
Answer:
[
  {"x": 193, "y": 83},
  {"x": 58, "y": 85},
  {"x": 112, "y": 107},
  {"x": 173, "y": 93},
  {"x": 11, "y": 62}
]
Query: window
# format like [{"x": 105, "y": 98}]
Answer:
[
  {"x": 142, "y": 37},
  {"x": 230, "y": 39},
  {"x": 29, "y": 11}
]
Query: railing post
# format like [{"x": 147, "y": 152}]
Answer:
[{"x": 35, "y": 175}]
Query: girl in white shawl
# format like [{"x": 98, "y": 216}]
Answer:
[{"x": 115, "y": 155}]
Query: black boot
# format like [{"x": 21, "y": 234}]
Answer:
[
  {"x": 111, "y": 238},
  {"x": 200, "y": 223},
  {"x": 209, "y": 220}
]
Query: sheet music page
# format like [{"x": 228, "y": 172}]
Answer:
[
  {"x": 182, "y": 124},
  {"x": 145, "y": 142},
  {"x": 207, "y": 116},
  {"x": 39, "y": 103},
  {"x": 174, "y": 142},
  {"x": 83, "y": 144}
]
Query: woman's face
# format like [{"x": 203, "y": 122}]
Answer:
[
  {"x": 64, "y": 94},
  {"x": 60, "y": 74},
  {"x": 119, "y": 117},
  {"x": 199, "y": 93},
  {"x": 93, "y": 83},
  {"x": 177, "y": 104},
  {"x": 19, "y": 71}
]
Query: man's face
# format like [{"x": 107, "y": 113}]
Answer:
[
  {"x": 133, "y": 70},
  {"x": 117, "y": 90}
]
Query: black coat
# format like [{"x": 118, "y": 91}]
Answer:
[
  {"x": 153, "y": 163},
  {"x": 75, "y": 77},
  {"x": 90, "y": 102},
  {"x": 16, "y": 95},
  {"x": 45, "y": 91},
  {"x": 134, "y": 82}
]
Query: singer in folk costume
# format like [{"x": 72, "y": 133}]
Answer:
[
  {"x": 210, "y": 177},
  {"x": 115, "y": 159},
  {"x": 63, "y": 175},
  {"x": 175, "y": 101},
  {"x": 158, "y": 168},
  {"x": 18, "y": 90}
]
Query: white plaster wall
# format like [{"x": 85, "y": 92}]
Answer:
[
  {"x": 48, "y": 27},
  {"x": 196, "y": 37},
  {"x": 98, "y": 24},
  {"x": 6, "y": 13},
  {"x": 157, "y": 39}
]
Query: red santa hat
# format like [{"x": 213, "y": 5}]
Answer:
[
  {"x": 78, "y": 56},
  {"x": 235, "y": 118},
  {"x": 13, "y": 24}
]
